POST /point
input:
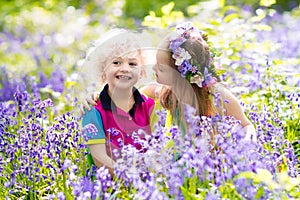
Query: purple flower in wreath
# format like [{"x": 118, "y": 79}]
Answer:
[
  {"x": 182, "y": 70},
  {"x": 183, "y": 59},
  {"x": 180, "y": 55},
  {"x": 193, "y": 69},
  {"x": 184, "y": 27},
  {"x": 209, "y": 80},
  {"x": 176, "y": 43},
  {"x": 187, "y": 65}
]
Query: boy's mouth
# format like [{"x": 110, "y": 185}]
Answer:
[{"x": 123, "y": 77}]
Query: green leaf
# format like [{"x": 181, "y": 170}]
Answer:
[
  {"x": 219, "y": 72},
  {"x": 222, "y": 3},
  {"x": 262, "y": 27},
  {"x": 260, "y": 192},
  {"x": 267, "y": 3},
  {"x": 166, "y": 9},
  {"x": 187, "y": 194},
  {"x": 192, "y": 184},
  {"x": 230, "y": 17}
]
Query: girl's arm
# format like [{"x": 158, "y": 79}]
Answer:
[
  {"x": 100, "y": 157},
  {"x": 88, "y": 102},
  {"x": 151, "y": 90},
  {"x": 234, "y": 109}
]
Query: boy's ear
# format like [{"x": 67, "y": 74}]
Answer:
[
  {"x": 143, "y": 73},
  {"x": 103, "y": 76}
]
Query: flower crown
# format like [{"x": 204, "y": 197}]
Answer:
[{"x": 189, "y": 69}]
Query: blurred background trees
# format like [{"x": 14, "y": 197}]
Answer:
[
  {"x": 139, "y": 9},
  {"x": 38, "y": 37},
  {"x": 44, "y": 37},
  {"x": 129, "y": 11}
]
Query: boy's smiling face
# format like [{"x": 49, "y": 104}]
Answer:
[{"x": 123, "y": 71}]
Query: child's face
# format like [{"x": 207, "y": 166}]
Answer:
[
  {"x": 164, "y": 73},
  {"x": 123, "y": 72}
]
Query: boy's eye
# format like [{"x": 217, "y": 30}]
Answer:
[
  {"x": 134, "y": 64},
  {"x": 116, "y": 62}
]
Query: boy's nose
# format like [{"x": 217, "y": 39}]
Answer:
[{"x": 125, "y": 68}]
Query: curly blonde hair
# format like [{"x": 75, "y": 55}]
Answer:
[{"x": 112, "y": 44}]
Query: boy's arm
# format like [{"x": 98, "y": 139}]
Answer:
[
  {"x": 100, "y": 157},
  {"x": 96, "y": 142}
]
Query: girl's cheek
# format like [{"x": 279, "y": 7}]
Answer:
[{"x": 153, "y": 68}]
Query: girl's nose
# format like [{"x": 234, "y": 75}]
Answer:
[{"x": 154, "y": 67}]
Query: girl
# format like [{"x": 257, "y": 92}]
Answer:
[
  {"x": 121, "y": 110},
  {"x": 185, "y": 68}
]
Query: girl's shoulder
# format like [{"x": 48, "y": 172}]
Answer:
[
  {"x": 152, "y": 90},
  {"x": 221, "y": 88},
  {"x": 148, "y": 100}
]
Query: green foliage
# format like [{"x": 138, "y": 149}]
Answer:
[
  {"x": 281, "y": 180},
  {"x": 190, "y": 188},
  {"x": 15, "y": 7},
  {"x": 38, "y": 38},
  {"x": 168, "y": 18},
  {"x": 280, "y": 5},
  {"x": 139, "y": 9},
  {"x": 228, "y": 191},
  {"x": 27, "y": 126}
]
